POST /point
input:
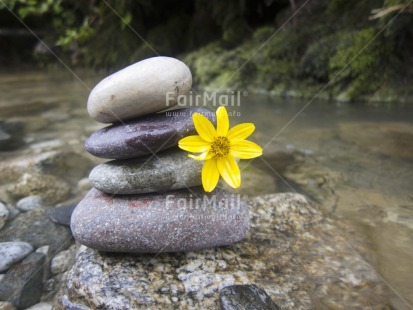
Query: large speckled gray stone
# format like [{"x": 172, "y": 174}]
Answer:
[
  {"x": 146, "y": 135},
  {"x": 171, "y": 169},
  {"x": 181, "y": 220},
  {"x": 148, "y": 86},
  {"x": 291, "y": 251}
]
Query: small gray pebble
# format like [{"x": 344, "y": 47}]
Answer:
[
  {"x": 12, "y": 252},
  {"x": 4, "y": 214},
  {"x": 243, "y": 297},
  {"x": 29, "y": 203}
]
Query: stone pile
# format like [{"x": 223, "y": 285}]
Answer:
[{"x": 148, "y": 199}]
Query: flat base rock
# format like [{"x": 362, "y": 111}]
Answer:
[
  {"x": 291, "y": 251},
  {"x": 181, "y": 220}
]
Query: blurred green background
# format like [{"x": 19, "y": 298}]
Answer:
[{"x": 357, "y": 50}]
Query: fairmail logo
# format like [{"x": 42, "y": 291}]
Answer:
[{"x": 230, "y": 99}]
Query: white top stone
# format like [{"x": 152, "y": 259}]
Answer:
[{"x": 145, "y": 87}]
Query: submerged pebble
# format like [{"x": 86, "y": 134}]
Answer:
[
  {"x": 23, "y": 283},
  {"x": 4, "y": 214},
  {"x": 29, "y": 203},
  {"x": 12, "y": 252}
]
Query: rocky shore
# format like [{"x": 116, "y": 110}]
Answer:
[{"x": 292, "y": 252}]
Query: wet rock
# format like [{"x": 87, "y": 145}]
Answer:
[
  {"x": 5, "y": 140},
  {"x": 139, "y": 89},
  {"x": 146, "y": 135},
  {"x": 25, "y": 106},
  {"x": 22, "y": 284},
  {"x": 37, "y": 229},
  {"x": 13, "y": 212},
  {"x": 393, "y": 139},
  {"x": 243, "y": 297},
  {"x": 46, "y": 145},
  {"x": 171, "y": 169},
  {"x": 47, "y": 252},
  {"x": 5, "y": 305},
  {"x": 84, "y": 185},
  {"x": 63, "y": 213},
  {"x": 29, "y": 203},
  {"x": 53, "y": 285},
  {"x": 50, "y": 188},
  {"x": 30, "y": 123},
  {"x": 255, "y": 181},
  {"x": 319, "y": 182},
  {"x": 12, "y": 252},
  {"x": 67, "y": 165},
  {"x": 291, "y": 251},
  {"x": 11, "y": 133},
  {"x": 63, "y": 260},
  {"x": 41, "y": 306},
  {"x": 4, "y": 214},
  {"x": 67, "y": 305},
  {"x": 181, "y": 220}
]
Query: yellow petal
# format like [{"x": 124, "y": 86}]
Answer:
[
  {"x": 222, "y": 122},
  {"x": 229, "y": 170},
  {"x": 202, "y": 156},
  {"x": 194, "y": 144},
  {"x": 210, "y": 175},
  {"x": 204, "y": 127},
  {"x": 241, "y": 131},
  {"x": 245, "y": 149}
]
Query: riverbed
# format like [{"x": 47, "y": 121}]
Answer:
[{"x": 354, "y": 160}]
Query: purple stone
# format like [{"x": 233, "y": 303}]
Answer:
[
  {"x": 181, "y": 220},
  {"x": 145, "y": 135}
]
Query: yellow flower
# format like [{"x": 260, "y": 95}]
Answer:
[{"x": 219, "y": 147}]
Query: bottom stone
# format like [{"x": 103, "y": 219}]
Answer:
[
  {"x": 292, "y": 252},
  {"x": 182, "y": 220}
]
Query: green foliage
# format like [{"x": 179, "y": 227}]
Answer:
[
  {"x": 234, "y": 43},
  {"x": 214, "y": 66},
  {"x": 80, "y": 28},
  {"x": 359, "y": 61}
]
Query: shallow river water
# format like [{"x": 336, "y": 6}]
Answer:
[{"x": 355, "y": 161}]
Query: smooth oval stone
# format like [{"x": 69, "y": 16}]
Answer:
[
  {"x": 171, "y": 169},
  {"x": 63, "y": 213},
  {"x": 148, "y": 86},
  {"x": 146, "y": 135},
  {"x": 182, "y": 220},
  {"x": 12, "y": 252}
]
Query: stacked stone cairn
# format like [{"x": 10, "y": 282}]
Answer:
[{"x": 148, "y": 199}]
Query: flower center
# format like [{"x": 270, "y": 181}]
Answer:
[{"x": 220, "y": 146}]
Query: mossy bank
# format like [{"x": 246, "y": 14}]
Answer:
[{"x": 329, "y": 50}]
